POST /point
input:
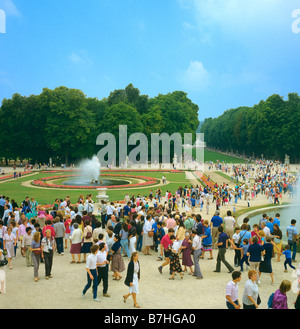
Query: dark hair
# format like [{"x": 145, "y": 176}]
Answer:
[
  {"x": 101, "y": 236},
  {"x": 293, "y": 221},
  {"x": 220, "y": 229},
  {"x": 172, "y": 237},
  {"x": 102, "y": 245},
  {"x": 235, "y": 275}
]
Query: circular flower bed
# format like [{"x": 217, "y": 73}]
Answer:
[{"x": 46, "y": 182}]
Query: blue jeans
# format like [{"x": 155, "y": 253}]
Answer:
[
  {"x": 230, "y": 306},
  {"x": 288, "y": 261},
  {"x": 139, "y": 243},
  {"x": 89, "y": 283},
  {"x": 124, "y": 244},
  {"x": 244, "y": 260},
  {"x": 293, "y": 246},
  {"x": 60, "y": 245}
]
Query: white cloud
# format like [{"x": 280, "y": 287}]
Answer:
[
  {"x": 241, "y": 19},
  {"x": 80, "y": 57},
  {"x": 196, "y": 77},
  {"x": 10, "y": 8}
]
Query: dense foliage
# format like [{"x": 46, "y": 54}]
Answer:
[
  {"x": 271, "y": 128},
  {"x": 64, "y": 123}
]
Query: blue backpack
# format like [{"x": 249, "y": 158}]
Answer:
[{"x": 270, "y": 301}]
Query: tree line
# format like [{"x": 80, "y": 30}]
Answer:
[
  {"x": 64, "y": 123},
  {"x": 270, "y": 128}
]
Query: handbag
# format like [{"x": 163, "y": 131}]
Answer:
[
  {"x": 150, "y": 234},
  {"x": 37, "y": 252}
]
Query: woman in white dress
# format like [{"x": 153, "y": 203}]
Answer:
[
  {"x": 133, "y": 278},
  {"x": 9, "y": 242},
  {"x": 148, "y": 235},
  {"x": 2, "y": 275}
]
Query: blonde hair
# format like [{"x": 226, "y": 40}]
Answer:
[
  {"x": 37, "y": 236},
  {"x": 251, "y": 273},
  {"x": 285, "y": 286},
  {"x": 261, "y": 233}
]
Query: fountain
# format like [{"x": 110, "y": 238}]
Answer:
[{"x": 90, "y": 171}]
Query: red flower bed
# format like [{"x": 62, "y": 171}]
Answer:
[
  {"x": 42, "y": 182},
  {"x": 12, "y": 175},
  {"x": 204, "y": 179}
]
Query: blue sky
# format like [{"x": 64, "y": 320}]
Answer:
[{"x": 223, "y": 53}]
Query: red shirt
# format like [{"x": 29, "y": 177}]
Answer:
[
  {"x": 48, "y": 227},
  {"x": 166, "y": 241}
]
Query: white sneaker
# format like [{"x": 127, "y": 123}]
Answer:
[
  {"x": 83, "y": 295},
  {"x": 97, "y": 300}
]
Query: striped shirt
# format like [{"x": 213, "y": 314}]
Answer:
[{"x": 232, "y": 290}]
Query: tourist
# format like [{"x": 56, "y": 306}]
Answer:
[
  {"x": 265, "y": 265},
  {"x": 9, "y": 242},
  {"x": 175, "y": 265},
  {"x": 255, "y": 232},
  {"x": 232, "y": 294},
  {"x": 102, "y": 267},
  {"x": 22, "y": 233},
  {"x": 117, "y": 262},
  {"x": 49, "y": 226},
  {"x": 237, "y": 249},
  {"x": 140, "y": 221},
  {"x": 36, "y": 251},
  {"x": 165, "y": 245},
  {"x": 76, "y": 244},
  {"x": 244, "y": 234},
  {"x": 3, "y": 262},
  {"x": 48, "y": 246},
  {"x": 280, "y": 298},
  {"x": 98, "y": 230},
  {"x": 133, "y": 278},
  {"x": 288, "y": 258},
  {"x": 132, "y": 236},
  {"x": 255, "y": 253},
  {"x": 59, "y": 229},
  {"x": 186, "y": 253},
  {"x": 215, "y": 223},
  {"x": 180, "y": 232},
  {"x": 91, "y": 268},
  {"x": 229, "y": 224},
  {"x": 222, "y": 244},
  {"x": 87, "y": 240},
  {"x": 197, "y": 251},
  {"x": 124, "y": 239},
  {"x": 26, "y": 243},
  {"x": 67, "y": 223},
  {"x": 292, "y": 235},
  {"x": 265, "y": 229},
  {"x": 277, "y": 236},
  {"x": 148, "y": 235},
  {"x": 159, "y": 235},
  {"x": 244, "y": 256},
  {"x": 207, "y": 240},
  {"x": 250, "y": 295}
]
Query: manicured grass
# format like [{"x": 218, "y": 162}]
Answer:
[
  {"x": 214, "y": 156},
  {"x": 16, "y": 191}
]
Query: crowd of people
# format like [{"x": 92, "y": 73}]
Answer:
[{"x": 170, "y": 227}]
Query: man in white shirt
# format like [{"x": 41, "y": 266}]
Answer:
[
  {"x": 197, "y": 251},
  {"x": 265, "y": 229},
  {"x": 102, "y": 267}
]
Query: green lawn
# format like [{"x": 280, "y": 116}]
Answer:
[
  {"x": 16, "y": 191},
  {"x": 214, "y": 156}
]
